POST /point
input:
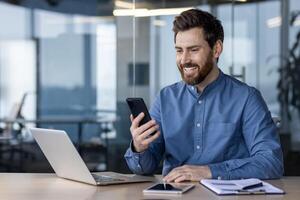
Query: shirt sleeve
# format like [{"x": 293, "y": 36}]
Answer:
[
  {"x": 262, "y": 140},
  {"x": 147, "y": 162}
]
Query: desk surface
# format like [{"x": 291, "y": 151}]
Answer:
[{"x": 48, "y": 186}]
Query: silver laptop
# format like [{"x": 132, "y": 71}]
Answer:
[{"x": 67, "y": 163}]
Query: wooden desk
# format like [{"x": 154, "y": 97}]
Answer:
[{"x": 48, "y": 186}]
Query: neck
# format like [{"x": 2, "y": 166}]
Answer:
[{"x": 213, "y": 75}]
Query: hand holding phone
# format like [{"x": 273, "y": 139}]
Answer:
[{"x": 143, "y": 129}]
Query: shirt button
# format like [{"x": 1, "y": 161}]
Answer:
[
  {"x": 199, "y": 101},
  {"x": 198, "y": 147},
  {"x": 198, "y": 125},
  {"x": 136, "y": 157},
  {"x": 138, "y": 166}
]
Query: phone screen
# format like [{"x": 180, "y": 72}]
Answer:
[
  {"x": 167, "y": 187},
  {"x": 173, "y": 188}
]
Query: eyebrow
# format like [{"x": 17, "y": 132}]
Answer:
[{"x": 190, "y": 47}]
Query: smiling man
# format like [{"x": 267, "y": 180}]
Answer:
[{"x": 209, "y": 125}]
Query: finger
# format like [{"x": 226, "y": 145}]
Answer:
[
  {"x": 146, "y": 126},
  {"x": 137, "y": 132},
  {"x": 131, "y": 117},
  {"x": 148, "y": 140},
  {"x": 167, "y": 177},
  {"x": 144, "y": 143},
  {"x": 151, "y": 130},
  {"x": 172, "y": 175},
  {"x": 136, "y": 121},
  {"x": 181, "y": 178}
]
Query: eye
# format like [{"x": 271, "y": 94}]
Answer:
[
  {"x": 178, "y": 50},
  {"x": 195, "y": 49}
]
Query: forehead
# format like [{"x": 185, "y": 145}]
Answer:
[{"x": 192, "y": 36}]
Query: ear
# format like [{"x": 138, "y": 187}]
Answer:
[{"x": 218, "y": 48}]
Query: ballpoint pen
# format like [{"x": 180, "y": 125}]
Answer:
[
  {"x": 257, "y": 185},
  {"x": 164, "y": 182}
]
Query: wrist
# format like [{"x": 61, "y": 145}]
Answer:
[
  {"x": 135, "y": 149},
  {"x": 208, "y": 172}
]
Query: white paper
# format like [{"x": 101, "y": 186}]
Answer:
[{"x": 236, "y": 186}]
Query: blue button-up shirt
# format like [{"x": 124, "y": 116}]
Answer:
[{"x": 227, "y": 127}]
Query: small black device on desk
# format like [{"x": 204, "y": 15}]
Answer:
[{"x": 174, "y": 188}]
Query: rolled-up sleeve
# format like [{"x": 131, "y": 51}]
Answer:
[
  {"x": 262, "y": 141},
  {"x": 135, "y": 159}
]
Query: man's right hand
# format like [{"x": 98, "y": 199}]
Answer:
[{"x": 141, "y": 135}]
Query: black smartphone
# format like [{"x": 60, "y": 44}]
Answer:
[
  {"x": 176, "y": 188},
  {"x": 136, "y": 106}
]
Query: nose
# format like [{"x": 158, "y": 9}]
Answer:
[{"x": 185, "y": 58}]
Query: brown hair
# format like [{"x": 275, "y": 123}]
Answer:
[{"x": 212, "y": 27}]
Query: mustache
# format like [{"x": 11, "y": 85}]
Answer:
[{"x": 188, "y": 65}]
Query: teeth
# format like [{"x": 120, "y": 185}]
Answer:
[{"x": 188, "y": 69}]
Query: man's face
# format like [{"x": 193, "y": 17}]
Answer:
[{"x": 194, "y": 57}]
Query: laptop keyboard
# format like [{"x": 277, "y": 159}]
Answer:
[{"x": 103, "y": 178}]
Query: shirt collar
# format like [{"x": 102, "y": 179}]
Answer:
[{"x": 209, "y": 87}]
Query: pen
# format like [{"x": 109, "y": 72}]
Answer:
[
  {"x": 164, "y": 182},
  {"x": 253, "y": 186}
]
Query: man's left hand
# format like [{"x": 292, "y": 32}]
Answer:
[{"x": 188, "y": 173}]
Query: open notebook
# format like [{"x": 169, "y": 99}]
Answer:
[{"x": 243, "y": 186}]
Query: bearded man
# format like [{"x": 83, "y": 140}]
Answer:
[{"x": 209, "y": 125}]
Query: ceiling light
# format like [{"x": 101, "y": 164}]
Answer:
[
  {"x": 167, "y": 11},
  {"x": 124, "y": 4},
  {"x": 143, "y": 12},
  {"x": 129, "y": 12}
]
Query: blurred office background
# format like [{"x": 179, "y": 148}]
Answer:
[{"x": 70, "y": 64}]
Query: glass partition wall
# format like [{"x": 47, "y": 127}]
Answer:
[
  {"x": 17, "y": 62},
  {"x": 57, "y": 71}
]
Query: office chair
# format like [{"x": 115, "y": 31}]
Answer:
[{"x": 11, "y": 139}]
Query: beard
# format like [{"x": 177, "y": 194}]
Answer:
[{"x": 201, "y": 72}]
